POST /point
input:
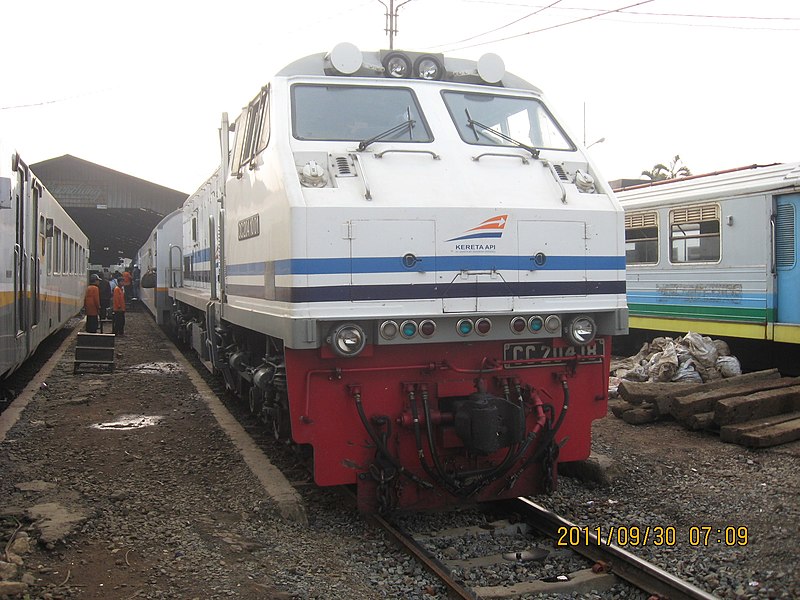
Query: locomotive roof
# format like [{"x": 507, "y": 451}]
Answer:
[
  {"x": 457, "y": 69},
  {"x": 741, "y": 181}
]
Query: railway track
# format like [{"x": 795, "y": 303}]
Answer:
[{"x": 526, "y": 558}]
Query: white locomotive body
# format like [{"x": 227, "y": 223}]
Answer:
[{"x": 375, "y": 241}]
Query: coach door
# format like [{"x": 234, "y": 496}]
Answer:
[
  {"x": 21, "y": 308},
  {"x": 786, "y": 259}
]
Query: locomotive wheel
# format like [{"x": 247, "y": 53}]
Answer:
[
  {"x": 256, "y": 400},
  {"x": 280, "y": 419}
]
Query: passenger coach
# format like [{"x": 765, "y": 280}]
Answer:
[
  {"x": 716, "y": 254},
  {"x": 43, "y": 265}
]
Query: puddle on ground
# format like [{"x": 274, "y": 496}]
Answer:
[
  {"x": 156, "y": 368},
  {"x": 129, "y": 422}
]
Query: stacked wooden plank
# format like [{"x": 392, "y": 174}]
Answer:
[{"x": 756, "y": 409}]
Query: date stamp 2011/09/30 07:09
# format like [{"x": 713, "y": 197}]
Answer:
[{"x": 700, "y": 535}]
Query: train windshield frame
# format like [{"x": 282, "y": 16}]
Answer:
[
  {"x": 524, "y": 119},
  {"x": 354, "y": 113}
]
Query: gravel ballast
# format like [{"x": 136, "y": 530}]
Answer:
[{"x": 171, "y": 510}]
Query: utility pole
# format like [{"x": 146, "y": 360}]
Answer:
[{"x": 390, "y": 26}]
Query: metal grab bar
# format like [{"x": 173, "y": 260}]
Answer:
[
  {"x": 357, "y": 160},
  {"x": 549, "y": 166},
  {"x": 407, "y": 151},
  {"x": 172, "y": 281},
  {"x": 524, "y": 159}
]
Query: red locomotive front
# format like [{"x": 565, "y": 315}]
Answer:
[{"x": 446, "y": 423}]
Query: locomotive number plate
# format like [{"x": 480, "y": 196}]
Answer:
[{"x": 536, "y": 350}]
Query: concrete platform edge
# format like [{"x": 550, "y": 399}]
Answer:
[
  {"x": 290, "y": 504},
  {"x": 11, "y": 415}
]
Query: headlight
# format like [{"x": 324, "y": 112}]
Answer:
[
  {"x": 580, "y": 330},
  {"x": 397, "y": 66},
  {"x": 347, "y": 339},
  {"x": 427, "y": 67}
]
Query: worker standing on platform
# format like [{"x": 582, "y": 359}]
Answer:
[
  {"x": 137, "y": 276},
  {"x": 91, "y": 304},
  {"x": 105, "y": 296},
  {"x": 119, "y": 310},
  {"x": 127, "y": 282}
]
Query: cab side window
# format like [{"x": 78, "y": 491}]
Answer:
[{"x": 252, "y": 132}]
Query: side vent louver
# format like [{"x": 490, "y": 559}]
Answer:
[
  {"x": 785, "y": 254},
  {"x": 561, "y": 173},
  {"x": 342, "y": 166}
]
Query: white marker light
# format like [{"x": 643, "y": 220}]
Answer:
[
  {"x": 346, "y": 58},
  {"x": 491, "y": 68}
]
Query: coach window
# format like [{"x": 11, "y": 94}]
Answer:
[
  {"x": 356, "y": 113},
  {"x": 694, "y": 234},
  {"x": 49, "y": 250},
  {"x": 57, "y": 256},
  {"x": 641, "y": 238}
]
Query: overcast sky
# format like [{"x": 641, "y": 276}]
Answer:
[{"x": 139, "y": 87}]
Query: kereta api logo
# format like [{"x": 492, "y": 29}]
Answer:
[{"x": 490, "y": 228}]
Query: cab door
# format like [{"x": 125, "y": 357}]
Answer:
[{"x": 788, "y": 270}]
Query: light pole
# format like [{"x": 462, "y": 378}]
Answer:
[
  {"x": 600, "y": 141},
  {"x": 391, "y": 19}
]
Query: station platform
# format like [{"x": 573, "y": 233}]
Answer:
[{"x": 107, "y": 477}]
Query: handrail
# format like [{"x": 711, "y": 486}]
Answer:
[
  {"x": 357, "y": 160},
  {"x": 524, "y": 159},
  {"x": 212, "y": 238},
  {"x": 549, "y": 166},
  {"x": 171, "y": 280},
  {"x": 407, "y": 151},
  {"x": 774, "y": 259}
]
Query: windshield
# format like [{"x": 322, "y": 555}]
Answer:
[
  {"x": 356, "y": 113},
  {"x": 524, "y": 120}
]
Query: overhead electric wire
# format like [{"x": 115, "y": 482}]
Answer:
[
  {"x": 536, "y": 12},
  {"x": 654, "y": 14},
  {"x": 594, "y": 16}
]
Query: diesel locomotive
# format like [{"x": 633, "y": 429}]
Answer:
[{"x": 407, "y": 266}]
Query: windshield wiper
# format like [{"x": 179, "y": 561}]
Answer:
[
  {"x": 407, "y": 124},
  {"x": 472, "y": 124}
]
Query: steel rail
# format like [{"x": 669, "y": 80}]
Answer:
[
  {"x": 455, "y": 589},
  {"x": 631, "y": 568}
]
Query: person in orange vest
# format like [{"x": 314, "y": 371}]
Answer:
[
  {"x": 127, "y": 282},
  {"x": 119, "y": 310},
  {"x": 91, "y": 304}
]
